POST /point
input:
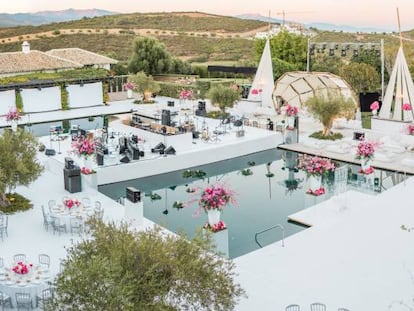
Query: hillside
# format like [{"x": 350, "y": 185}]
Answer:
[
  {"x": 187, "y": 35},
  {"x": 193, "y": 36},
  {"x": 47, "y": 17}
]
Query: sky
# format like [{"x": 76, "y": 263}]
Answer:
[{"x": 361, "y": 13}]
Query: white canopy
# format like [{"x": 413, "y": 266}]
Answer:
[
  {"x": 263, "y": 83},
  {"x": 400, "y": 90}
]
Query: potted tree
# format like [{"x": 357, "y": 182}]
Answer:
[{"x": 326, "y": 108}]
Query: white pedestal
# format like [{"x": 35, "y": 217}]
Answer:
[
  {"x": 134, "y": 213},
  {"x": 221, "y": 241},
  {"x": 90, "y": 180}
]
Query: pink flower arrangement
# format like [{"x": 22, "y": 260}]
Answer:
[
  {"x": 317, "y": 192},
  {"x": 410, "y": 129},
  {"x": 69, "y": 203},
  {"x": 216, "y": 197},
  {"x": 365, "y": 150},
  {"x": 22, "y": 268},
  {"x": 374, "y": 106},
  {"x": 367, "y": 171},
  {"x": 186, "y": 94},
  {"x": 406, "y": 107},
  {"x": 215, "y": 228},
  {"x": 316, "y": 166},
  {"x": 129, "y": 86},
  {"x": 13, "y": 115},
  {"x": 291, "y": 111},
  {"x": 83, "y": 147},
  {"x": 87, "y": 171}
]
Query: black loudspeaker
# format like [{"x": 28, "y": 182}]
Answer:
[
  {"x": 359, "y": 135},
  {"x": 202, "y": 105},
  {"x": 238, "y": 123},
  {"x": 72, "y": 179},
  {"x": 366, "y": 99},
  {"x": 170, "y": 150},
  {"x": 124, "y": 160},
  {"x": 69, "y": 163},
  {"x": 166, "y": 117},
  {"x": 50, "y": 152},
  {"x": 99, "y": 158},
  {"x": 170, "y": 103},
  {"x": 158, "y": 147},
  {"x": 133, "y": 194}
]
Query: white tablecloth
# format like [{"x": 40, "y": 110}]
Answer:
[
  {"x": 33, "y": 282},
  {"x": 65, "y": 214}
]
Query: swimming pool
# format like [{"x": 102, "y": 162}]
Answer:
[{"x": 262, "y": 201}]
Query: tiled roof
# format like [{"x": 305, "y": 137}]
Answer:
[
  {"x": 82, "y": 56},
  {"x": 19, "y": 62}
]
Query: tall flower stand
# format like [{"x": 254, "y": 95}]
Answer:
[
  {"x": 213, "y": 216},
  {"x": 290, "y": 120},
  {"x": 134, "y": 207},
  {"x": 315, "y": 182},
  {"x": 90, "y": 179},
  {"x": 14, "y": 125},
  {"x": 88, "y": 162},
  {"x": 129, "y": 93}
]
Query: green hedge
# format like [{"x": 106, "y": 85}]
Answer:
[{"x": 173, "y": 90}]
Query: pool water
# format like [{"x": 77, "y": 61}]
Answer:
[{"x": 262, "y": 201}]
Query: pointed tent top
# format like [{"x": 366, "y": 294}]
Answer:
[
  {"x": 401, "y": 85},
  {"x": 399, "y": 27},
  {"x": 263, "y": 83}
]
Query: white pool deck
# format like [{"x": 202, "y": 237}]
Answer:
[{"x": 355, "y": 255}]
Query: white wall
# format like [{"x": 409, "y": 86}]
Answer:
[
  {"x": 86, "y": 95},
  {"x": 7, "y": 101},
  {"x": 40, "y": 100}
]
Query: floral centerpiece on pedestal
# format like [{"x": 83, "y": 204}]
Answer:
[
  {"x": 410, "y": 129},
  {"x": 365, "y": 152},
  {"x": 291, "y": 113},
  {"x": 213, "y": 199},
  {"x": 83, "y": 147},
  {"x": 22, "y": 268},
  {"x": 13, "y": 116},
  {"x": 70, "y": 203},
  {"x": 316, "y": 167},
  {"x": 374, "y": 107},
  {"x": 129, "y": 87}
]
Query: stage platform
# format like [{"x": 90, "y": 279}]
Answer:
[{"x": 189, "y": 152}]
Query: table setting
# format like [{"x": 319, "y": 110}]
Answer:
[
  {"x": 24, "y": 277},
  {"x": 71, "y": 208}
]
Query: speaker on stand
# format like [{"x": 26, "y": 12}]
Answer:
[{"x": 166, "y": 117}]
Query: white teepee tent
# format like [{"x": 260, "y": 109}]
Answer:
[
  {"x": 263, "y": 83},
  {"x": 400, "y": 90}
]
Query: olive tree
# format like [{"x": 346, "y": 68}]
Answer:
[
  {"x": 149, "y": 55},
  {"x": 327, "y": 107},
  {"x": 223, "y": 97},
  {"x": 120, "y": 269},
  {"x": 144, "y": 84},
  {"x": 18, "y": 163}
]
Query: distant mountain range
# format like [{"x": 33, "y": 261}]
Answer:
[
  {"x": 320, "y": 26},
  {"x": 47, "y": 17}
]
